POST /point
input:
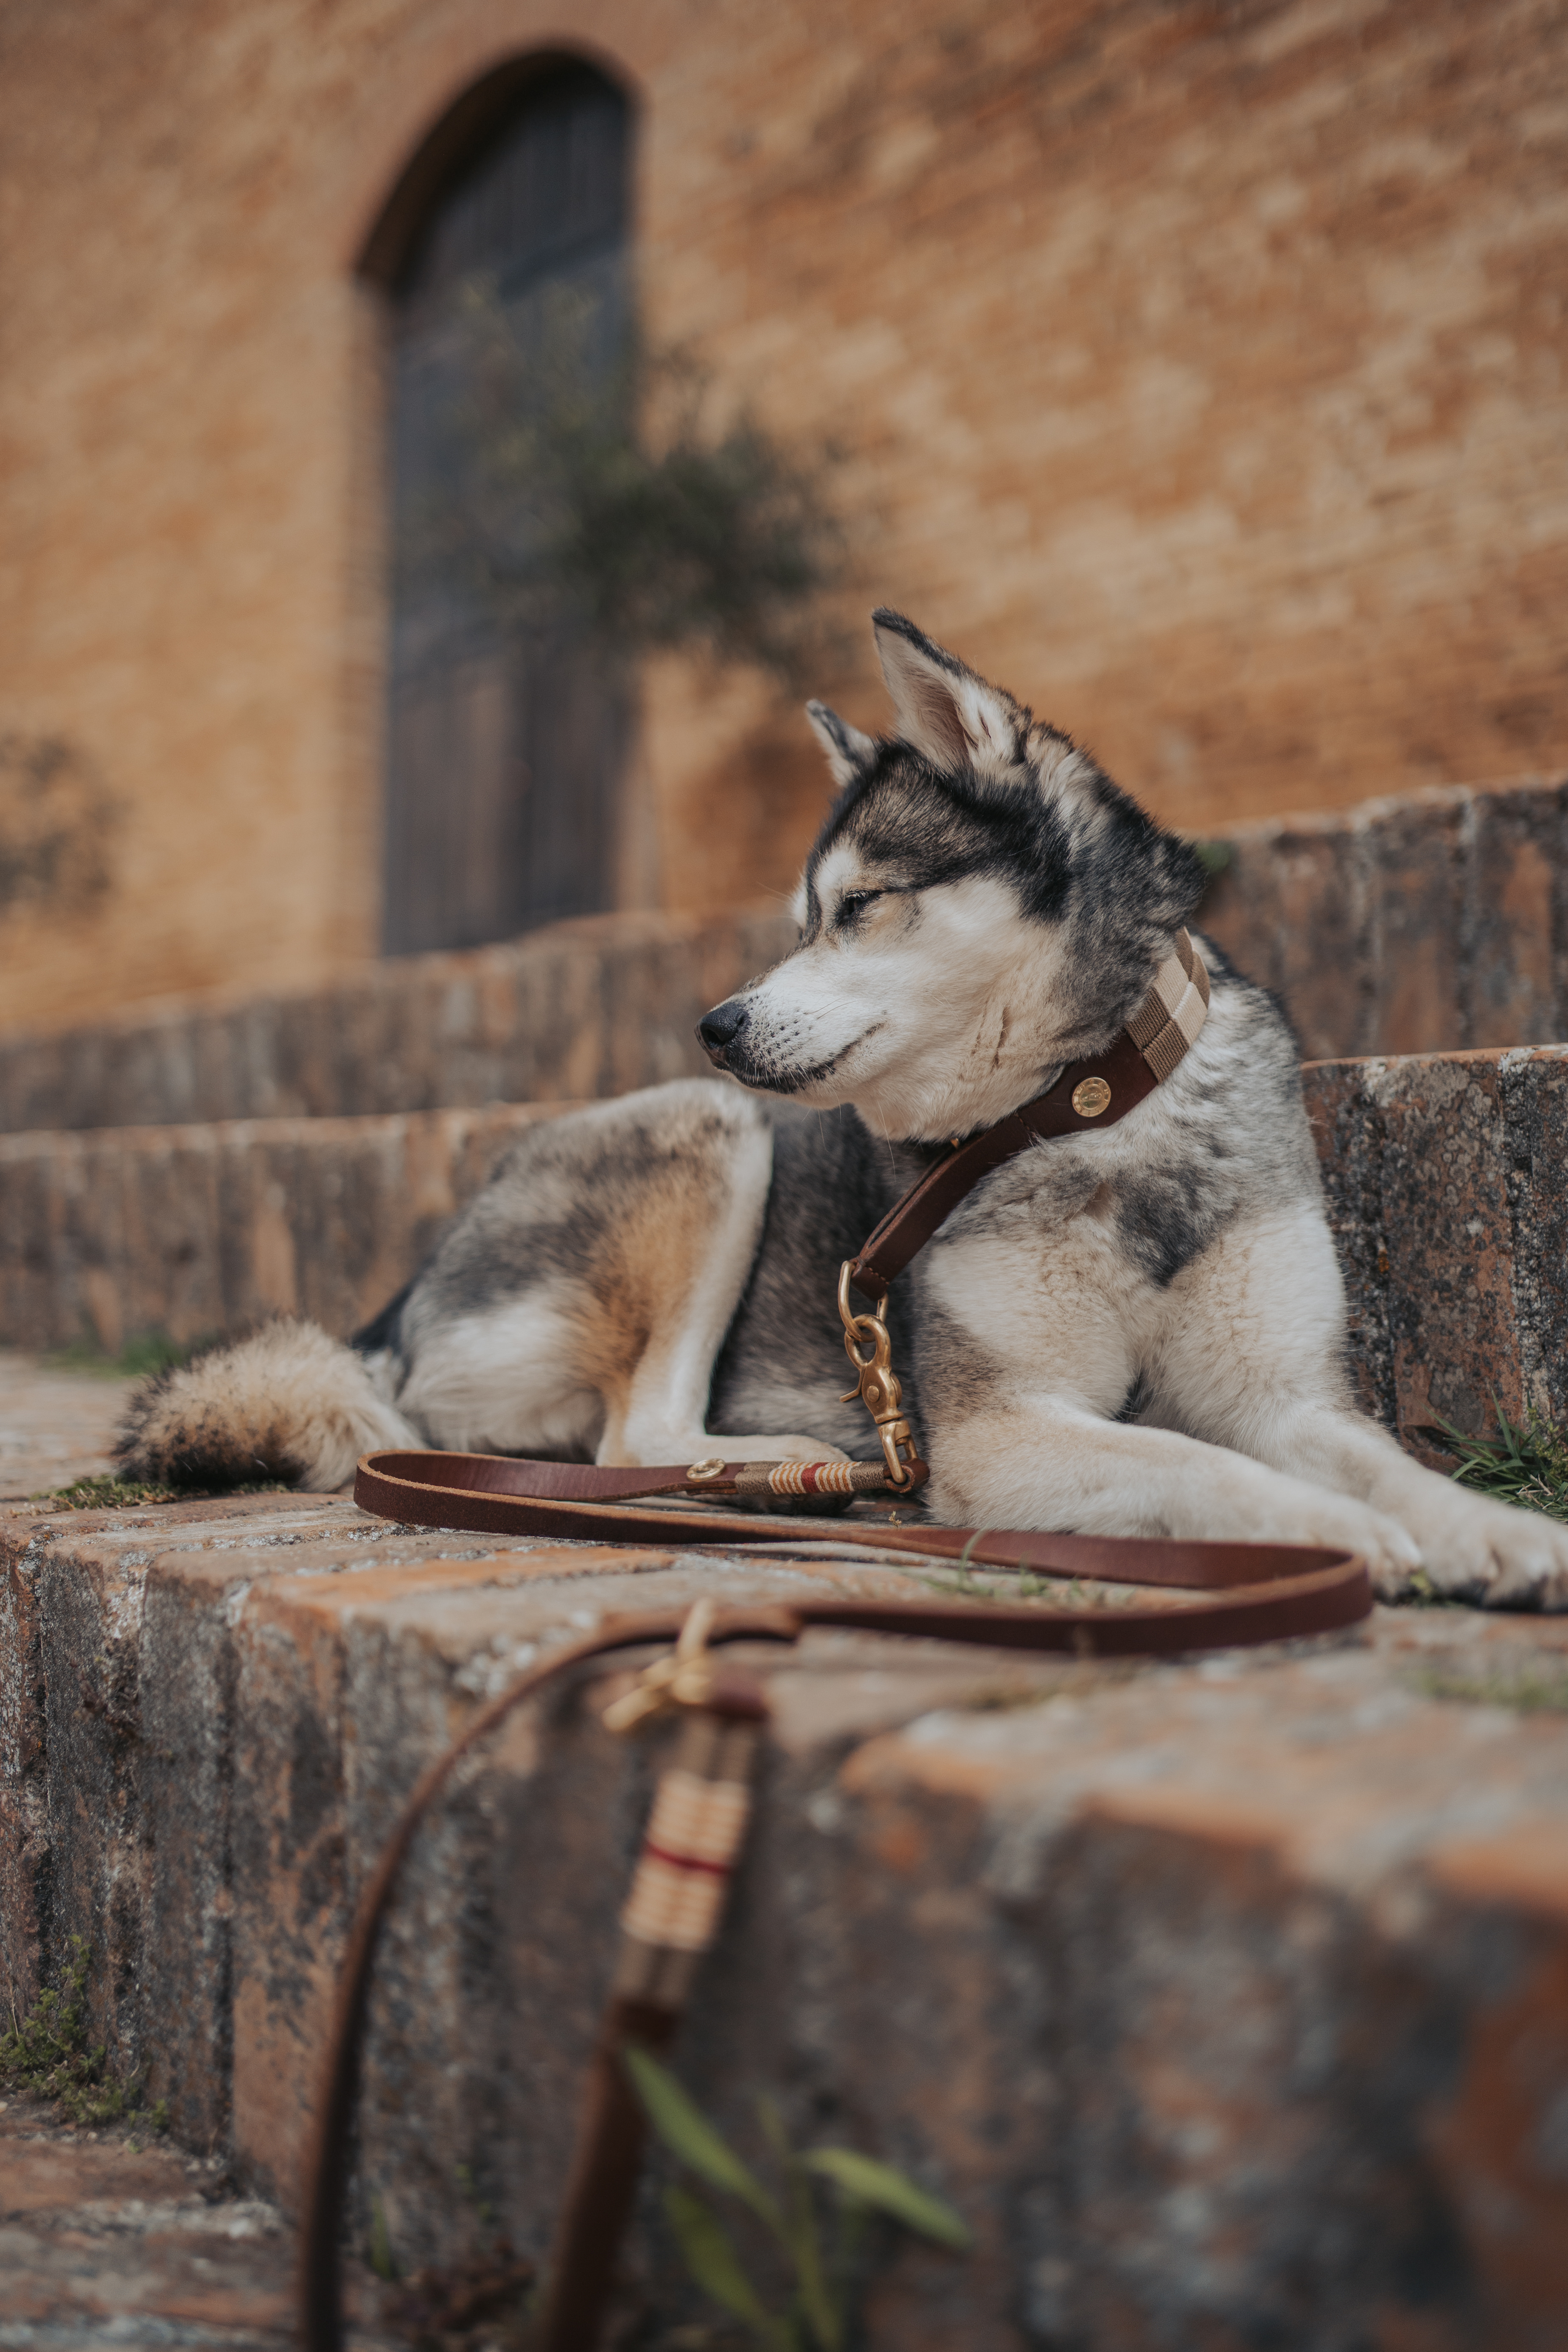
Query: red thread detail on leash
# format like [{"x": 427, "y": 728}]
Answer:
[{"x": 684, "y": 1860}]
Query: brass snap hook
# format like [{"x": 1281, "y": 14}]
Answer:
[{"x": 877, "y": 1383}]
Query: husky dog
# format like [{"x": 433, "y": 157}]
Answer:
[{"x": 1138, "y": 1331}]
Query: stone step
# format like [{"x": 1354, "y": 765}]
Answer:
[
  {"x": 112, "y": 2240},
  {"x": 195, "y": 1231},
  {"x": 1444, "y": 1174},
  {"x": 55, "y": 1426},
  {"x": 587, "y": 1008},
  {"x": 1429, "y": 922},
  {"x": 1226, "y": 1999}
]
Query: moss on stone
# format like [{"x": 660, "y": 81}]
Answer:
[{"x": 47, "y": 2055}]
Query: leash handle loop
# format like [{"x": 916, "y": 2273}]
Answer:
[{"x": 1249, "y": 1593}]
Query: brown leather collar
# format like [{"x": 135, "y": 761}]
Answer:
[{"x": 1095, "y": 1092}]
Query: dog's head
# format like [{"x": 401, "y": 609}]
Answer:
[{"x": 981, "y": 906}]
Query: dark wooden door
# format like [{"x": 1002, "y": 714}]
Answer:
[{"x": 508, "y": 736}]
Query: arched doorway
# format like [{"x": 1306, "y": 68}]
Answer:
[{"x": 508, "y": 730}]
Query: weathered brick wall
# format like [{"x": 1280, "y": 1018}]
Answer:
[
  {"x": 593, "y": 1007},
  {"x": 1423, "y": 924},
  {"x": 1418, "y": 924},
  {"x": 1199, "y": 372},
  {"x": 1226, "y": 1999},
  {"x": 1444, "y": 1174}
]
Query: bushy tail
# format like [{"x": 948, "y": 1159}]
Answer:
[{"x": 286, "y": 1403}]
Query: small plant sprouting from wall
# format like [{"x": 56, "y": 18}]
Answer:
[
  {"x": 46, "y": 2055},
  {"x": 596, "y": 494},
  {"x": 1525, "y": 1464},
  {"x": 57, "y": 817},
  {"x": 822, "y": 2262}
]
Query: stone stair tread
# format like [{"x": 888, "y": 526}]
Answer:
[
  {"x": 589, "y": 1007},
  {"x": 1421, "y": 922},
  {"x": 1444, "y": 1176},
  {"x": 55, "y": 1426},
  {"x": 108, "y": 2240},
  {"x": 984, "y": 1897}
]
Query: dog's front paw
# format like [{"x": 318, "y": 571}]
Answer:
[
  {"x": 1392, "y": 1555},
  {"x": 1494, "y": 1556}
]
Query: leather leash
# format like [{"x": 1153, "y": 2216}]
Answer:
[
  {"x": 1268, "y": 1591},
  {"x": 1250, "y": 1591},
  {"x": 604, "y": 2176},
  {"x": 1245, "y": 1593}
]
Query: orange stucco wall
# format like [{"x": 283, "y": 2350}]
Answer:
[{"x": 1198, "y": 371}]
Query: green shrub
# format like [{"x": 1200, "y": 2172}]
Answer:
[{"x": 605, "y": 498}]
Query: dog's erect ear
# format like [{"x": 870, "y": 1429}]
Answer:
[
  {"x": 949, "y": 716},
  {"x": 849, "y": 753}
]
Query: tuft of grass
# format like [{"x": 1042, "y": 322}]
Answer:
[
  {"x": 104, "y": 1494},
  {"x": 1534, "y": 1689},
  {"x": 1525, "y": 1464},
  {"x": 46, "y": 2055},
  {"x": 381, "y": 2261},
  {"x": 149, "y": 1351},
  {"x": 822, "y": 2266},
  {"x": 1422, "y": 1593},
  {"x": 109, "y": 1494}
]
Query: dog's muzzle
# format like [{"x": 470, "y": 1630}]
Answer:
[{"x": 720, "y": 1031}]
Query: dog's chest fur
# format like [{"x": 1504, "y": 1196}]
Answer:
[{"x": 1059, "y": 1270}]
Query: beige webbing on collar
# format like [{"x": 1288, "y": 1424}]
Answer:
[{"x": 1168, "y": 1020}]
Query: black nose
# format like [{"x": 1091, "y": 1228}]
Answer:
[{"x": 719, "y": 1029}]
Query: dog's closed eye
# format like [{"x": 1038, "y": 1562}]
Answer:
[{"x": 854, "y": 903}]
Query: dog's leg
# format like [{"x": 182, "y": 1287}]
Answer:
[
  {"x": 1052, "y": 1462},
  {"x": 1029, "y": 1440},
  {"x": 704, "y": 1270},
  {"x": 1254, "y": 1357},
  {"x": 578, "y": 1303},
  {"x": 1472, "y": 1550},
  {"x": 509, "y": 1381}
]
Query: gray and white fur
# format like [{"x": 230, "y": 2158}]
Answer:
[{"x": 1139, "y": 1331}]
